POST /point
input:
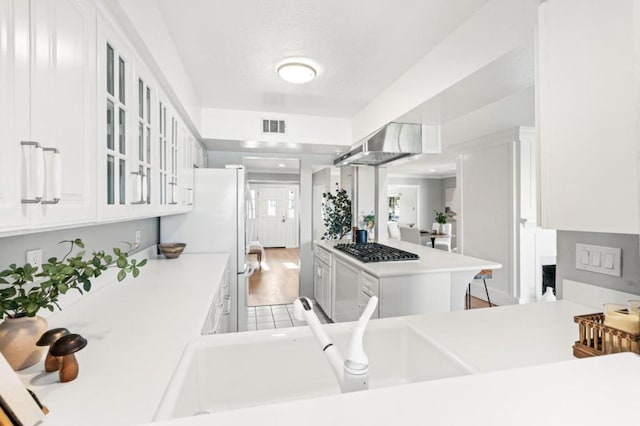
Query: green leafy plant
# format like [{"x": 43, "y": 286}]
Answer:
[
  {"x": 369, "y": 220},
  {"x": 336, "y": 210},
  {"x": 73, "y": 272},
  {"x": 441, "y": 217}
]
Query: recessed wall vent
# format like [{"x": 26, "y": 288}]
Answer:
[{"x": 273, "y": 126}]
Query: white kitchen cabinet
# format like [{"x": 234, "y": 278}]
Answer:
[
  {"x": 62, "y": 106},
  {"x": 116, "y": 107},
  {"x": 14, "y": 112},
  {"x": 346, "y": 289},
  {"x": 369, "y": 287},
  {"x": 322, "y": 280},
  {"x": 48, "y": 74},
  {"x": 588, "y": 116},
  {"x": 80, "y": 123},
  {"x": 144, "y": 165},
  {"x": 186, "y": 169},
  {"x": 217, "y": 321}
]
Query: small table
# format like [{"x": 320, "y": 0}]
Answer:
[{"x": 433, "y": 236}]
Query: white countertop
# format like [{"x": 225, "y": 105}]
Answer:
[
  {"x": 505, "y": 337},
  {"x": 136, "y": 331},
  {"x": 512, "y": 351},
  {"x": 595, "y": 391},
  {"x": 524, "y": 373},
  {"x": 431, "y": 260}
]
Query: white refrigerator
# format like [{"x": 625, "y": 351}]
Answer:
[{"x": 217, "y": 225}]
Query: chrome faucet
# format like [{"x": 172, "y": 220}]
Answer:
[{"x": 352, "y": 374}]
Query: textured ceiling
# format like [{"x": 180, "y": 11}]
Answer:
[{"x": 231, "y": 48}]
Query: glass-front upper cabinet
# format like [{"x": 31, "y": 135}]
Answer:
[
  {"x": 173, "y": 163},
  {"x": 142, "y": 173},
  {"x": 163, "y": 150},
  {"x": 115, "y": 106}
]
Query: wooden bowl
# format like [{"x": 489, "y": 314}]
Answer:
[{"x": 171, "y": 250}]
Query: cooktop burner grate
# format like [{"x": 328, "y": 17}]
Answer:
[{"x": 374, "y": 252}]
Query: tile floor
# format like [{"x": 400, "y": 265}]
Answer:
[{"x": 277, "y": 316}]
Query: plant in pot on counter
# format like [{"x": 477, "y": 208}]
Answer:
[
  {"x": 336, "y": 212},
  {"x": 24, "y": 290}
]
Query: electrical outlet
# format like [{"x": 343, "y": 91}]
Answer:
[
  {"x": 138, "y": 236},
  {"x": 34, "y": 257}
]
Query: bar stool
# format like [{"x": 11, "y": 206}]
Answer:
[{"x": 483, "y": 275}]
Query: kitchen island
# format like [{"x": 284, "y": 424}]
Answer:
[{"x": 437, "y": 282}]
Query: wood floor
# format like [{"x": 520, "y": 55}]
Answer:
[
  {"x": 278, "y": 281},
  {"x": 479, "y": 303}
]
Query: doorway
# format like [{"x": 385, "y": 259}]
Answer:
[
  {"x": 277, "y": 215},
  {"x": 273, "y": 227},
  {"x": 404, "y": 204}
]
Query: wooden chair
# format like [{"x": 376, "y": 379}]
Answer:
[{"x": 483, "y": 275}]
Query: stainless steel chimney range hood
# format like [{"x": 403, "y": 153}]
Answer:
[{"x": 393, "y": 141}]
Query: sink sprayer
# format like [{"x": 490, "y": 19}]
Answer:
[{"x": 352, "y": 374}]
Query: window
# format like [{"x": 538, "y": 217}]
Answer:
[
  {"x": 272, "y": 206},
  {"x": 292, "y": 204},
  {"x": 251, "y": 205}
]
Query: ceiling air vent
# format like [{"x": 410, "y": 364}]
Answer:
[{"x": 273, "y": 126}]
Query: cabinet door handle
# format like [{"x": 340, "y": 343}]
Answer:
[
  {"x": 53, "y": 180},
  {"x": 34, "y": 191}
]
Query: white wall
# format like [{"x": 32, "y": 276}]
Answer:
[
  {"x": 496, "y": 29},
  {"x": 409, "y": 203},
  {"x": 227, "y": 124},
  {"x": 431, "y": 197},
  {"x": 145, "y": 25},
  {"x": 487, "y": 213}
]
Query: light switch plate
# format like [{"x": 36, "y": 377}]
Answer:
[{"x": 602, "y": 260}]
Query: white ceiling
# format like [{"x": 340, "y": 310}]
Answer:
[
  {"x": 271, "y": 165},
  {"x": 231, "y": 48}
]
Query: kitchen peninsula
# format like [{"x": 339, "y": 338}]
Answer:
[{"x": 435, "y": 283}]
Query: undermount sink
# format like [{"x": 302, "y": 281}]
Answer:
[{"x": 240, "y": 370}]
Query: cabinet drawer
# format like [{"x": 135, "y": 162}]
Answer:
[
  {"x": 369, "y": 284},
  {"x": 323, "y": 255}
]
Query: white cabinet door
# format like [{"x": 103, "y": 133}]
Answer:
[
  {"x": 116, "y": 116},
  {"x": 14, "y": 112},
  {"x": 144, "y": 163},
  {"x": 325, "y": 301},
  {"x": 322, "y": 286},
  {"x": 318, "y": 290},
  {"x": 588, "y": 115},
  {"x": 63, "y": 112},
  {"x": 346, "y": 290}
]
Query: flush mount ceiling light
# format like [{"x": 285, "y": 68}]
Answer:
[
  {"x": 280, "y": 164},
  {"x": 296, "y": 72}
]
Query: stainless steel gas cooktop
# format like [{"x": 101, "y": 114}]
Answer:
[{"x": 374, "y": 252}]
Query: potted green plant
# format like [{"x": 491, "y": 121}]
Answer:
[
  {"x": 336, "y": 209},
  {"x": 24, "y": 290},
  {"x": 441, "y": 218}
]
